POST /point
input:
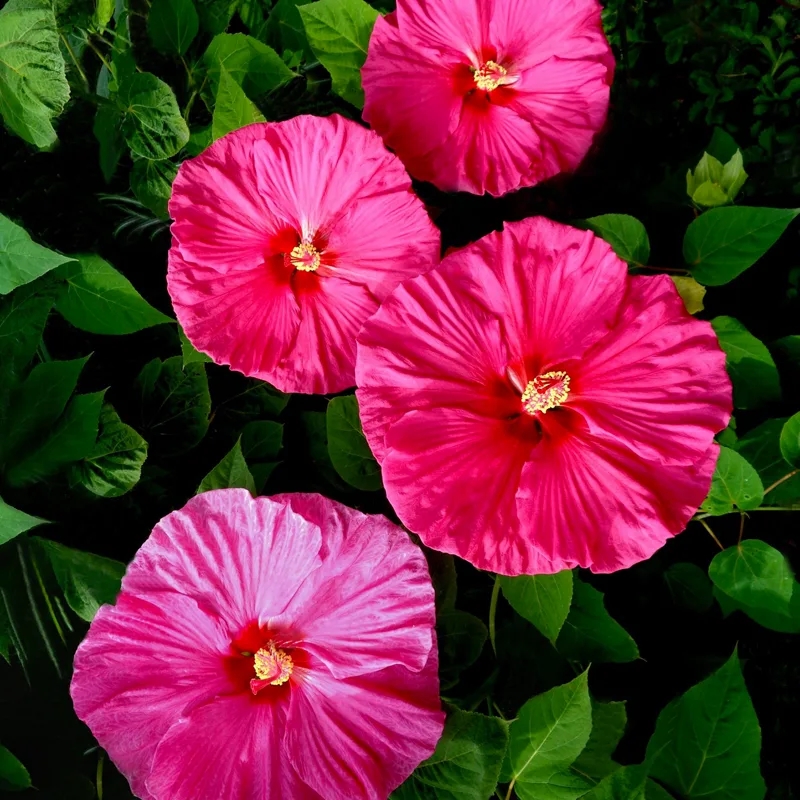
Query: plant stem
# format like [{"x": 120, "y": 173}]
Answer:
[
  {"x": 510, "y": 788},
  {"x": 75, "y": 61},
  {"x": 781, "y": 480},
  {"x": 713, "y": 536}
]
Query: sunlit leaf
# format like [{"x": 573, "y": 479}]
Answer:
[
  {"x": 231, "y": 473},
  {"x": 626, "y": 235},
  {"x": 544, "y": 600},
  {"x": 735, "y": 485},
  {"x": 232, "y": 109}
]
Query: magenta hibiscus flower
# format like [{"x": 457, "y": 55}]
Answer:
[
  {"x": 271, "y": 648},
  {"x": 286, "y": 238},
  {"x": 488, "y": 95},
  {"x": 535, "y": 409}
]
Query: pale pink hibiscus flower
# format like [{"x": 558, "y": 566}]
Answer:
[
  {"x": 488, "y": 95},
  {"x": 536, "y": 409},
  {"x": 286, "y": 237},
  {"x": 268, "y": 648}
]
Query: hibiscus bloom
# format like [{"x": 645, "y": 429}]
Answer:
[
  {"x": 270, "y": 648},
  {"x": 286, "y": 237},
  {"x": 536, "y": 409},
  {"x": 488, "y": 95}
]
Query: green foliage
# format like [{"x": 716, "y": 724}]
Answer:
[
  {"x": 625, "y": 234},
  {"x": 691, "y": 292},
  {"x": 232, "y": 109},
  {"x": 790, "y": 441},
  {"x": 231, "y": 473},
  {"x": 251, "y": 64},
  {"x": 716, "y": 184},
  {"x": 689, "y": 587},
  {"x": 349, "y": 451},
  {"x": 761, "y": 447},
  {"x": 13, "y": 522},
  {"x": 172, "y": 25},
  {"x": 262, "y": 442},
  {"x": 461, "y": 639},
  {"x": 544, "y": 600},
  {"x": 33, "y": 83},
  {"x": 338, "y": 32},
  {"x": 151, "y": 182},
  {"x": 608, "y": 726},
  {"x": 735, "y": 485},
  {"x": 707, "y": 743},
  {"x": 13, "y": 775}
]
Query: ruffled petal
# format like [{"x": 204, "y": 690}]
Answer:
[
  {"x": 361, "y": 738},
  {"x": 371, "y": 604},
  {"x": 239, "y": 557},
  {"x": 228, "y": 749},
  {"x": 139, "y": 668},
  {"x": 444, "y": 29},
  {"x": 592, "y": 503},
  {"x": 657, "y": 382}
]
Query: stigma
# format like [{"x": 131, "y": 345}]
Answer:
[
  {"x": 489, "y": 76},
  {"x": 545, "y": 392},
  {"x": 305, "y": 257},
  {"x": 273, "y": 667}
]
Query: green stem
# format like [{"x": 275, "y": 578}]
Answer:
[
  {"x": 781, "y": 480},
  {"x": 711, "y": 533},
  {"x": 75, "y": 61}
]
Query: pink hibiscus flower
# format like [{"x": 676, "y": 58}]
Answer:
[
  {"x": 488, "y": 95},
  {"x": 270, "y": 648},
  {"x": 535, "y": 409},
  {"x": 286, "y": 237}
]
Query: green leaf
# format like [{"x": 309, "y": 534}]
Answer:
[
  {"x": 543, "y": 600},
  {"x": 760, "y": 581},
  {"x": 107, "y": 130},
  {"x": 735, "y": 485},
  {"x": 103, "y": 13},
  {"x": 689, "y": 587},
  {"x": 608, "y": 726},
  {"x": 199, "y": 139},
  {"x": 233, "y": 109},
  {"x": 590, "y": 634},
  {"x": 175, "y": 404},
  {"x": 338, "y": 32},
  {"x": 722, "y": 146},
  {"x": 761, "y": 447},
  {"x": 114, "y": 466},
  {"x": 549, "y": 733},
  {"x": 22, "y": 320},
  {"x": 626, "y": 235},
  {"x": 752, "y": 370},
  {"x": 349, "y": 451},
  {"x": 151, "y": 182},
  {"x": 790, "y": 441},
  {"x": 152, "y": 123},
  {"x": 465, "y": 764},
  {"x": 734, "y": 175},
  {"x": 172, "y": 25},
  {"x": 724, "y": 242},
  {"x": 461, "y": 640},
  {"x": 262, "y": 440},
  {"x": 231, "y": 473},
  {"x": 190, "y": 355},
  {"x": 710, "y": 195},
  {"x": 21, "y": 259},
  {"x": 257, "y": 401},
  {"x": 70, "y": 440},
  {"x": 628, "y": 783},
  {"x": 13, "y": 522},
  {"x": 88, "y": 581},
  {"x": 253, "y": 65},
  {"x": 13, "y": 775},
  {"x": 99, "y": 299},
  {"x": 691, "y": 292},
  {"x": 284, "y": 29},
  {"x": 215, "y": 14},
  {"x": 707, "y": 743},
  {"x": 33, "y": 82}
]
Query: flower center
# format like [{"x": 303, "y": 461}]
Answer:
[
  {"x": 273, "y": 667},
  {"x": 489, "y": 76},
  {"x": 545, "y": 392},
  {"x": 305, "y": 257}
]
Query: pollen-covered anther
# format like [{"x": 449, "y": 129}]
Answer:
[
  {"x": 305, "y": 257},
  {"x": 547, "y": 391},
  {"x": 273, "y": 667},
  {"x": 489, "y": 76}
]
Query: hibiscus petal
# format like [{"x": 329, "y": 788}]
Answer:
[
  {"x": 371, "y": 603},
  {"x": 657, "y": 382},
  {"x": 240, "y": 557},
  {"x": 361, "y": 738},
  {"x": 230, "y": 749},
  {"x": 457, "y": 26},
  {"x": 142, "y": 666}
]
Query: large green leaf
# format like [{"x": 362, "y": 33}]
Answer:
[
  {"x": 215, "y": 14},
  {"x": 461, "y": 639},
  {"x": 33, "y": 83},
  {"x": 22, "y": 320},
  {"x": 761, "y": 447},
  {"x": 151, "y": 182},
  {"x": 760, "y": 581},
  {"x": 13, "y": 775},
  {"x": 548, "y": 735},
  {"x": 172, "y": 25},
  {"x": 88, "y": 581},
  {"x": 628, "y": 783},
  {"x": 232, "y": 109},
  {"x": 114, "y": 466},
  {"x": 608, "y": 726},
  {"x": 99, "y": 299},
  {"x": 626, "y": 235},
  {"x": 735, "y": 485},
  {"x": 466, "y": 763},
  {"x": 707, "y": 743},
  {"x": 790, "y": 441},
  {"x": 338, "y": 32},
  {"x": 544, "y": 600},
  {"x": 189, "y": 353},
  {"x": 751, "y": 367},
  {"x": 254, "y": 66},
  {"x": 284, "y": 29},
  {"x": 349, "y": 451},
  {"x": 152, "y": 123},
  {"x": 261, "y": 445},
  {"x": 175, "y": 404},
  {"x": 21, "y": 259},
  {"x": 231, "y": 473},
  {"x": 724, "y": 242},
  {"x": 13, "y": 522},
  {"x": 590, "y": 633}
]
